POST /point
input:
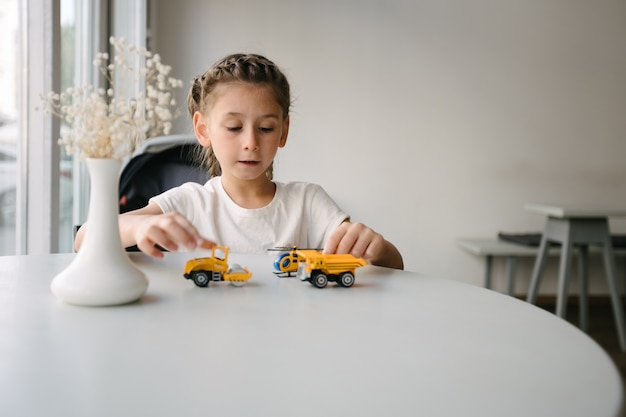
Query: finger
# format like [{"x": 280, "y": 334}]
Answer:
[
  {"x": 348, "y": 242},
  {"x": 361, "y": 241},
  {"x": 174, "y": 229},
  {"x": 157, "y": 236},
  {"x": 355, "y": 240},
  {"x": 149, "y": 249},
  {"x": 183, "y": 231},
  {"x": 374, "y": 248},
  {"x": 206, "y": 244},
  {"x": 335, "y": 238}
]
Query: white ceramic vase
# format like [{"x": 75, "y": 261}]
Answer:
[{"x": 102, "y": 273}]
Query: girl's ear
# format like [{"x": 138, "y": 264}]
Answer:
[
  {"x": 201, "y": 130},
  {"x": 283, "y": 137}
]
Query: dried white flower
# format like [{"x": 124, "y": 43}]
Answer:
[{"x": 106, "y": 126}]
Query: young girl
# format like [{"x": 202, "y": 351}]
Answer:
[{"x": 240, "y": 112}]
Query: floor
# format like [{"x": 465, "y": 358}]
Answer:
[{"x": 601, "y": 328}]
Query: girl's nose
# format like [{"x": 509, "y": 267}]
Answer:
[{"x": 251, "y": 142}]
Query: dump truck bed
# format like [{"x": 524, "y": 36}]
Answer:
[{"x": 332, "y": 263}]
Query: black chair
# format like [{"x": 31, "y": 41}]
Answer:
[{"x": 162, "y": 163}]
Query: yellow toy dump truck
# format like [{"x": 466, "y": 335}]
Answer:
[
  {"x": 319, "y": 268},
  {"x": 204, "y": 270}
]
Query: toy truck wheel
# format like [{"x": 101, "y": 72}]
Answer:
[
  {"x": 319, "y": 280},
  {"x": 238, "y": 283},
  {"x": 346, "y": 279},
  {"x": 200, "y": 278}
]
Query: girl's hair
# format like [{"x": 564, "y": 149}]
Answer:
[{"x": 249, "y": 68}]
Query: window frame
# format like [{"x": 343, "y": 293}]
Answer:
[
  {"x": 37, "y": 192},
  {"x": 38, "y": 185}
]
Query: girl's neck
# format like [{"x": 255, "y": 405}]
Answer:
[{"x": 249, "y": 194}]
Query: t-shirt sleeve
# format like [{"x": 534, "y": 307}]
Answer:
[
  {"x": 326, "y": 216},
  {"x": 181, "y": 199}
]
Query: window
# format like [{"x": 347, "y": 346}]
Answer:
[{"x": 43, "y": 191}]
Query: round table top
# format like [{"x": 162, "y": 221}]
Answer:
[{"x": 397, "y": 343}]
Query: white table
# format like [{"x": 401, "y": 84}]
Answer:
[
  {"x": 580, "y": 226},
  {"x": 395, "y": 344}
]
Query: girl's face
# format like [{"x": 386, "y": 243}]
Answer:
[{"x": 245, "y": 126}]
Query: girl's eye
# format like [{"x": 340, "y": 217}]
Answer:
[
  {"x": 266, "y": 129},
  {"x": 233, "y": 129}
]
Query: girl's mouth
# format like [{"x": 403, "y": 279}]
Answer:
[{"x": 249, "y": 163}]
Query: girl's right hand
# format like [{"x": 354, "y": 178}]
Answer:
[{"x": 167, "y": 230}]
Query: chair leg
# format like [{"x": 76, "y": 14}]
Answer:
[
  {"x": 564, "y": 269},
  {"x": 538, "y": 270},
  {"x": 510, "y": 274},
  {"x": 618, "y": 309},
  {"x": 488, "y": 268},
  {"x": 583, "y": 275}
]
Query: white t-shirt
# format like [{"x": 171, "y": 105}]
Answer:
[{"x": 300, "y": 214}]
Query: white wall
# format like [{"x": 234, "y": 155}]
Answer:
[{"x": 431, "y": 120}]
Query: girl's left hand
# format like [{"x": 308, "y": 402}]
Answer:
[{"x": 357, "y": 240}]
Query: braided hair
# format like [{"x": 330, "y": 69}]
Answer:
[{"x": 249, "y": 68}]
